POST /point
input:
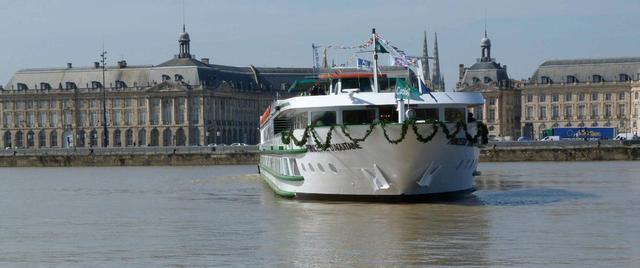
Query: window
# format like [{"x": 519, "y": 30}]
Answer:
[
  {"x": 607, "y": 96},
  {"x": 142, "y": 116},
  {"x": 546, "y": 80},
  {"x": 492, "y": 115},
  {"x": 492, "y": 101},
  {"x": 543, "y": 113},
  {"x": 117, "y": 103},
  {"x": 624, "y": 77},
  {"x": 22, "y": 86},
  {"x": 568, "y": 111},
  {"x": 529, "y": 98},
  {"x": 596, "y": 78},
  {"x": 166, "y": 78},
  {"x": 127, "y": 102},
  {"x": 454, "y": 115},
  {"x": 594, "y": 96},
  {"x": 178, "y": 77},
  {"x": 141, "y": 102},
  {"x": 96, "y": 85},
  {"x": 621, "y": 96},
  {"x": 487, "y": 80},
  {"x": 581, "y": 97},
  {"x": 621, "y": 110},
  {"x": 70, "y": 85},
  {"x": 542, "y": 98},
  {"x": 94, "y": 118},
  {"x": 363, "y": 85},
  {"x": 53, "y": 119},
  {"x": 45, "y": 86},
  {"x": 475, "y": 80},
  {"x": 555, "y": 112},
  {"x": 357, "y": 117},
  {"x": 571, "y": 79},
  {"x": 529, "y": 112},
  {"x": 607, "y": 110},
  {"x": 42, "y": 117},
  {"x": 120, "y": 84},
  {"x": 555, "y": 98},
  {"x": 327, "y": 118},
  {"x": 67, "y": 118},
  {"x": 429, "y": 114},
  {"x": 594, "y": 111},
  {"x": 567, "y": 97}
]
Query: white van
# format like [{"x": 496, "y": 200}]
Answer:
[
  {"x": 624, "y": 136},
  {"x": 551, "y": 138}
]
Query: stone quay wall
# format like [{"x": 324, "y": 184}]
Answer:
[{"x": 248, "y": 155}]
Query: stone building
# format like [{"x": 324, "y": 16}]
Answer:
[
  {"x": 582, "y": 93},
  {"x": 501, "y": 109},
  {"x": 182, "y": 101}
]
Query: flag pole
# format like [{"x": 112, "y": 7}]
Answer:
[{"x": 375, "y": 61}]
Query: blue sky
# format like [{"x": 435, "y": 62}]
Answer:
[{"x": 50, "y": 33}]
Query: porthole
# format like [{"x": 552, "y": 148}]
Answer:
[
  {"x": 333, "y": 168},
  {"x": 311, "y": 168},
  {"x": 320, "y": 167}
]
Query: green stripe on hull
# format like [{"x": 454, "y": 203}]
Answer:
[
  {"x": 280, "y": 176},
  {"x": 277, "y": 190}
]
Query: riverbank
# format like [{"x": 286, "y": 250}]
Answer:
[{"x": 248, "y": 155}]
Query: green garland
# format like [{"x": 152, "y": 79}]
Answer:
[{"x": 480, "y": 137}]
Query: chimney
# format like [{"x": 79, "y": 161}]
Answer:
[
  {"x": 460, "y": 72},
  {"x": 96, "y": 65},
  {"x": 122, "y": 64},
  {"x": 205, "y": 60},
  {"x": 69, "y": 66}
]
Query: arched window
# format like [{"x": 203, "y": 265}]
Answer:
[
  {"x": 155, "y": 137},
  {"x": 178, "y": 77},
  {"x": 81, "y": 138},
  {"x": 166, "y": 78},
  {"x": 181, "y": 139},
  {"x": 194, "y": 137},
  {"x": 571, "y": 79},
  {"x": 487, "y": 80},
  {"x": 70, "y": 85},
  {"x": 7, "y": 139},
  {"x": 31, "y": 139},
  {"x": 19, "y": 139},
  {"x": 53, "y": 139},
  {"x": 596, "y": 78},
  {"x": 42, "y": 139},
  {"x": 22, "y": 86},
  {"x": 624, "y": 77},
  {"x": 167, "y": 138},
  {"x": 142, "y": 137},
  {"x": 120, "y": 84},
  {"x": 93, "y": 138},
  {"x": 96, "y": 85},
  {"x": 594, "y": 124},
  {"x": 45, "y": 86},
  {"x": 546, "y": 80},
  {"x": 128, "y": 137},
  {"x": 117, "y": 138},
  {"x": 475, "y": 80}
]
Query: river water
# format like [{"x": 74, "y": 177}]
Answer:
[{"x": 573, "y": 214}]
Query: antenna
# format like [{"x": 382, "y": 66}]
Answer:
[
  {"x": 183, "y": 18},
  {"x": 485, "y": 22}
]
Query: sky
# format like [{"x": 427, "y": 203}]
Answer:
[{"x": 50, "y": 33}]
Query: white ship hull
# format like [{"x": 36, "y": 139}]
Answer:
[{"x": 375, "y": 168}]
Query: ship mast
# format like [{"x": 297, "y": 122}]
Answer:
[{"x": 375, "y": 61}]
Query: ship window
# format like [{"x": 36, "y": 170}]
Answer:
[
  {"x": 357, "y": 117},
  {"x": 333, "y": 168},
  {"x": 388, "y": 113},
  {"x": 311, "y": 168},
  {"x": 327, "y": 118},
  {"x": 320, "y": 168},
  {"x": 363, "y": 85},
  {"x": 302, "y": 167},
  {"x": 453, "y": 114},
  {"x": 429, "y": 114}
]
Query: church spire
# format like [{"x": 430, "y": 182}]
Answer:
[
  {"x": 425, "y": 56},
  {"x": 436, "y": 77}
]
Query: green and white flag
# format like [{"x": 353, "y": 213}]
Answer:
[{"x": 403, "y": 91}]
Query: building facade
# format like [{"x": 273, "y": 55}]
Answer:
[
  {"x": 183, "y": 101},
  {"x": 582, "y": 93},
  {"x": 501, "y": 109}
]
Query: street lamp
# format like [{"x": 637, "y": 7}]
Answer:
[{"x": 105, "y": 134}]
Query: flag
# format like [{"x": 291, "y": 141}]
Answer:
[
  {"x": 364, "y": 63},
  {"x": 379, "y": 47},
  {"x": 402, "y": 91},
  {"x": 425, "y": 90}
]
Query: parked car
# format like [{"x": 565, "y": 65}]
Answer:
[
  {"x": 212, "y": 145},
  {"x": 625, "y": 136},
  {"x": 551, "y": 138},
  {"x": 523, "y": 138}
]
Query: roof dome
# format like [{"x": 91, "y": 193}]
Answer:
[
  {"x": 184, "y": 37},
  {"x": 485, "y": 42}
]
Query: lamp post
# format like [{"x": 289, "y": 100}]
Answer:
[{"x": 105, "y": 134}]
